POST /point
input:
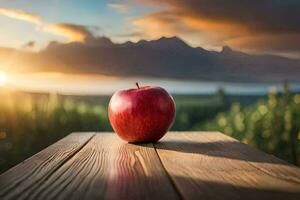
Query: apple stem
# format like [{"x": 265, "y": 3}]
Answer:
[{"x": 137, "y": 85}]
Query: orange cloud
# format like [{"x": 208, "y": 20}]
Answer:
[
  {"x": 214, "y": 23},
  {"x": 203, "y": 32},
  {"x": 287, "y": 44},
  {"x": 20, "y": 15},
  {"x": 71, "y": 31},
  {"x": 266, "y": 16},
  {"x": 150, "y": 24},
  {"x": 118, "y": 7}
]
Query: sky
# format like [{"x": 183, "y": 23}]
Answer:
[
  {"x": 256, "y": 26},
  {"x": 23, "y": 21}
]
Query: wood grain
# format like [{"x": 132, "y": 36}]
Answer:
[
  {"x": 187, "y": 165},
  {"x": 108, "y": 168},
  {"x": 30, "y": 173},
  {"x": 215, "y": 166}
]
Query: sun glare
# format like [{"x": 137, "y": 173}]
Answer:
[{"x": 3, "y": 78}]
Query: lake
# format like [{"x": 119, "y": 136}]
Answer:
[{"x": 106, "y": 85}]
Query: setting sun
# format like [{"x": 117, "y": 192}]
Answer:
[{"x": 3, "y": 78}]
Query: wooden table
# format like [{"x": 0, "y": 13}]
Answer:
[{"x": 183, "y": 165}]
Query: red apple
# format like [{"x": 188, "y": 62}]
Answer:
[{"x": 143, "y": 114}]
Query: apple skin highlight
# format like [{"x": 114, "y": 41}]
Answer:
[{"x": 143, "y": 114}]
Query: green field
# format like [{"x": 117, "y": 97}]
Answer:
[{"x": 30, "y": 122}]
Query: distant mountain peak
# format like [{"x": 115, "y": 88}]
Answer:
[
  {"x": 128, "y": 43},
  {"x": 167, "y": 42},
  {"x": 98, "y": 41},
  {"x": 174, "y": 38},
  {"x": 142, "y": 41},
  {"x": 226, "y": 49}
]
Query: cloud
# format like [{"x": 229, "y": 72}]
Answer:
[
  {"x": 118, "y": 7},
  {"x": 20, "y": 15},
  {"x": 261, "y": 15},
  {"x": 71, "y": 31},
  {"x": 215, "y": 23},
  {"x": 279, "y": 44},
  {"x": 199, "y": 32}
]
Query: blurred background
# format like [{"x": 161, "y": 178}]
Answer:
[{"x": 227, "y": 69}]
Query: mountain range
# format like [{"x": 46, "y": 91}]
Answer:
[{"x": 164, "y": 57}]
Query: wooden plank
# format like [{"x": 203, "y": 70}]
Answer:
[
  {"x": 36, "y": 169},
  {"x": 215, "y": 166},
  {"x": 108, "y": 168}
]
